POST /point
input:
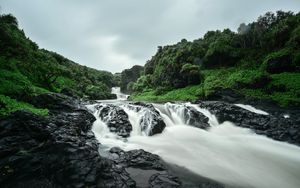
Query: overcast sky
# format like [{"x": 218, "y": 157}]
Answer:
[{"x": 117, "y": 34}]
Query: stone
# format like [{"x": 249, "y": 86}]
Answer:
[{"x": 273, "y": 125}]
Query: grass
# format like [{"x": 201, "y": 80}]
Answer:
[
  {"x": 14, "y": 87},
  {"x": 190, "y": 93},
  {"x": 9, "y": 105},
  {"x": 283, "y": 88}
]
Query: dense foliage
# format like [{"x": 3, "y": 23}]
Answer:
[
  {"x": 257, "y": 60},
  {"x": 128, "y": 77},
  {"x": 27, "y": 70}
]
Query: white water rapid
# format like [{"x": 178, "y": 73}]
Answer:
[{"x": 226, "y": 153}]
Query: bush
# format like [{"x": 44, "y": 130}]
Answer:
[
  {"x": 143, "y": 83},
  {"x": 191, "y": 74},
  {"x": 279, "y": 61},
  {"x": 15, "y": 84},
  {"x": 248, "y": 78},
  {"x": 98, "y": 92}
]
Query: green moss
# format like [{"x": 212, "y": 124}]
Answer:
[
  {"x": 9, "y": 105},
  {"x": 190, "y": 93}
]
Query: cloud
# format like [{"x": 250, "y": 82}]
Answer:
[
  {"x": 116, "y": 34},
  {"x": 107, "y": 53}
]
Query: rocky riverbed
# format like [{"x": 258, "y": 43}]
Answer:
[{"x": 60, "y": 150}]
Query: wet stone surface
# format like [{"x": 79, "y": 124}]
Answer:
[
  {"x": 116, "y": 119},
  {"x": 273, "y": 125},
  {"x": 55, "y": 151}
]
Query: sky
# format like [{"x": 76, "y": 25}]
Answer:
[{"x": 114, "y": 35}]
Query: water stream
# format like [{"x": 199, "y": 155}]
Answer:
[{"x": 226, "y": 153}]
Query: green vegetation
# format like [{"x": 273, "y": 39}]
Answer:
[
  {"x": 8, "y": 105},
  {"x": 261, "y": 59},
  {"x": 27, "y": 70},
  {"x": 190, "y": 93},
  {"x": 128, "y": 77}
]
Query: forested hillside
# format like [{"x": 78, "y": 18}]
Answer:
[
  {"x": 27, "y": 70},
  {"x": 128, "y": 77},
  {"x": 261, "y": 59}
]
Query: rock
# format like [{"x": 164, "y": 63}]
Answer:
[
  {"x": 149, "y": 168},
  {"x": 56, "y": 102},
  {"x": 226, "y": 95},
  {"x": 196, "y": 119},
  {"x": 280, "y": 64},
  {"x": 138, "y": 159},
  {"x": 151, "y": 123},
  {"x": 116, "y": 119},
  {"x": 164, "y": 181},
  {"x": 274, "y": 126},
  {"x": 59, "y": 150}
]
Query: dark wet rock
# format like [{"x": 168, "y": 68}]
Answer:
[
  {"x": 56, "y": 102},
  {"x": 116, "y": 119},
  {"x": 59, "y": 150},
  {"x": 151, "y": 123},
  {"x": 226, "y": 95},
  {"x": 273, "y": 126},
  {"x": 196, "y": 119},
  {"x": 164, "y": 181},
  {"x": 138, "y": 159},
  {"x": 147, "y": 169}
]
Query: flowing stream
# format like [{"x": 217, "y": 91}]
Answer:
[{"x": 226, "y": 153}]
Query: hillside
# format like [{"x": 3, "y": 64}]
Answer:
[
  {"x": 128, "y": 77},
  {"x": 261, "y": 60},
  {"x": 27, "y": 70}
]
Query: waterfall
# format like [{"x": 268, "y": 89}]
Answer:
[
  {"x": 226, "y": 153},
  {"x": 120, "y": 95}
]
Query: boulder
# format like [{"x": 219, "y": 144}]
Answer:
[
  {"x": 116, "y": 119},
  {"x": 56, "y": 102},
  {"x": 55, "y": 151},
  {"x": 195, "y": 118},
  {"x": 151, "y": 123}
]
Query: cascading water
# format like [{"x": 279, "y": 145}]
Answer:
[
  {"x": 226, "y": 153},
  {"x": 120, "y": 95}
]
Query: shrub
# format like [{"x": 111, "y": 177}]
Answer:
[{"x": 15, "y": 84}]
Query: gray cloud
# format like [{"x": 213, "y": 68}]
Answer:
[{"x": 117, "y": 34}]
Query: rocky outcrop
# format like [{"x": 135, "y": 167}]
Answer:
[
  {"x": 151, "y": 123},
  {"x": 148, "y": 170},
  {"x": 55, "y": 151},
  {"x": 196, "y": 119},
  {"x": 274, "y": 126},
  {"x": 116, "y": 119}
]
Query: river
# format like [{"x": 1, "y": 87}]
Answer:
[{"x": 226, "y": 153}]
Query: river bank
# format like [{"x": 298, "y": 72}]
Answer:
[{"x": 68, "y": 148}]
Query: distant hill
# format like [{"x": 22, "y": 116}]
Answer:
[
  {"x": 261, "y": 59},
  {"x": 27, "y": 70},
  {"x": 128, "y": 77}
]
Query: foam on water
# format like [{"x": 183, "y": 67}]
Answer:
[{"x": 226, "y": 153}]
